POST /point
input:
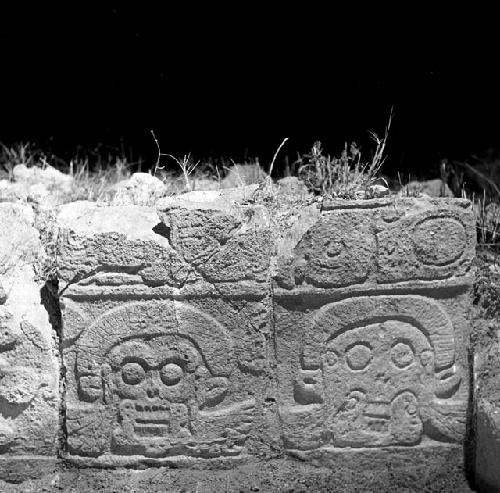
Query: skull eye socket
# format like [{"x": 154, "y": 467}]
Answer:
[
  {"x": 171, "y": 374},
  {"x": 359, "y": 356},
  {"x": 133, "y": 373},
  {"x": 402, "y": 355}
]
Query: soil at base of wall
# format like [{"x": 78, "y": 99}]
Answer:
[{"x": 276, "y": 475}]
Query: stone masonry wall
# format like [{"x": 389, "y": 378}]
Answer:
[
  {"x": 216, "y": 333},
  {"x": 29, "y": 359}
]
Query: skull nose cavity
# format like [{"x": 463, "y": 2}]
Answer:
[{"x": 152, "y": 392}]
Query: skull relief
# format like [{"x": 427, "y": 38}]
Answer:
[
  {"x": 376, "y": 378},
  {"x": 158, "y": 387},
  {"x": 377, "y": 371}
]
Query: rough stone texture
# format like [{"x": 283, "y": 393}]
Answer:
[
  {"x": 487, "y": 470},
  {"x": 370, "y": 310},
  {"x": 216, "y": 333},
  {"x": 408, "y": 470},
  {"x": 431, "y": 188},
  {"x": 48, "y": 175},
  {"x": 180, "y": 251},
  {"x": 139, "y": 189},
  {"x": 486, "y": 443},
  {"x": 167, "y": 335},
  {"x": 382, "y": 241},
  {"x": 29, "y": 367}
]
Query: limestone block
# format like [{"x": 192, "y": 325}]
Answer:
[
  {"x": 381, "y": 241},
  {"x": 162, "y": 368},
  {"x": 167, "y": 381},
  {"x": 209, "y": 332},
  {"x": 29, "y": 363},
  {"x": 433, "y": 239},
  {"x": 134, "y": 249},
  {"x": 371, "y": 371},
  {"x": 139, "y": 189},
  {"x": 223, "y": 246},
  {"x": 371, "y": 341},
  {"x": 47, "y": 175},
  {"x": 486, "y": 415}
]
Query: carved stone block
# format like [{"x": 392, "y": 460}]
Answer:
[
  {"x": 29, "y": 365},
  {"x": 127, "y": 249},
  {"x": 166, "y": 380},
  {"x": 371, "y": 335},
  {"x": 379, "y": 242}
]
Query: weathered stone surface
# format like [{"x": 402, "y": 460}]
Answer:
[
  {"x": 430, "y": 188},
  {"x": 370, "y": 310},
  {"x": 223, "y": 247},
  {"x": 405, "y": 469},
  {"x": 371, "y": 371},
  {"x": 139, "y": 189},
  {"x": 179, "y": 251},
  {"x": 212, "y": 332},
  {"x": 381, "y": 241},
  {"x": 48, "y": 175},
  {"x": 431, "y": 240},
  {"x": 165, "y": 380},
  {"x": 486, "y": 409},
  {"x": 29, "y": 367},
  {"x": 487, "y": 453},
  {"x": 153, "y": 376}
]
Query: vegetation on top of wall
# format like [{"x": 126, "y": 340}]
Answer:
[{"x": 348, "y": 176}]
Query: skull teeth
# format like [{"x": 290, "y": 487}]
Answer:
[{"x": 151, "y": 408}]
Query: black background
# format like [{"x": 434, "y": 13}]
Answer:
[{"x": 234, "y": 83}]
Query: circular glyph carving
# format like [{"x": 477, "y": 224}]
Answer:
[{"x": 439, "y": 240}]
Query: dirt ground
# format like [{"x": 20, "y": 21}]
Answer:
[{"x": 276, "y": 475}]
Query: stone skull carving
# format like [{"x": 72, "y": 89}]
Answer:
[
  {"x": 154, "y": 379},
  {"x": 158, "y": 386},
  {"x": 380, "y": 371},
  {"x": 376, "y": 377}
]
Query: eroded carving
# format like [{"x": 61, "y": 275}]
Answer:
[
  {"x": 379, "y": 371},
  {"x": 157, "y": 377},
  {"x": 347, "y": 247},
  {"x": 427, "y": 246},
  {"x": 23, "y": 378},
  {"x": 439, "y": 241},
  {"x": 338, "y": 250}
]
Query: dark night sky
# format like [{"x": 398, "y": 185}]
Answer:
[{"x": 81, "y": 76}]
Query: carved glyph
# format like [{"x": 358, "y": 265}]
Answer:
[{"x": 385, "y": 244}]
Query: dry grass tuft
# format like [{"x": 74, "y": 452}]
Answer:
[{"x": 346, "y": 177}]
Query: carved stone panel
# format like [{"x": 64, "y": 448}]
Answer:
[
  {"x": 125, "y": 249},
  {"x": 339, "y": 249},
  {"x": 374, "y": 371},
  {"x": 162, "y": 380},
  {"x": 431, "y": 244},
  {"x": 380, "y": 242}
]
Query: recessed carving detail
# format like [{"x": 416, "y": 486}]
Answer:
[
  {"x": 439, "y": 241},
  {"x": 378, "y": 371},
  {"x": 157, "y": 376}
]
